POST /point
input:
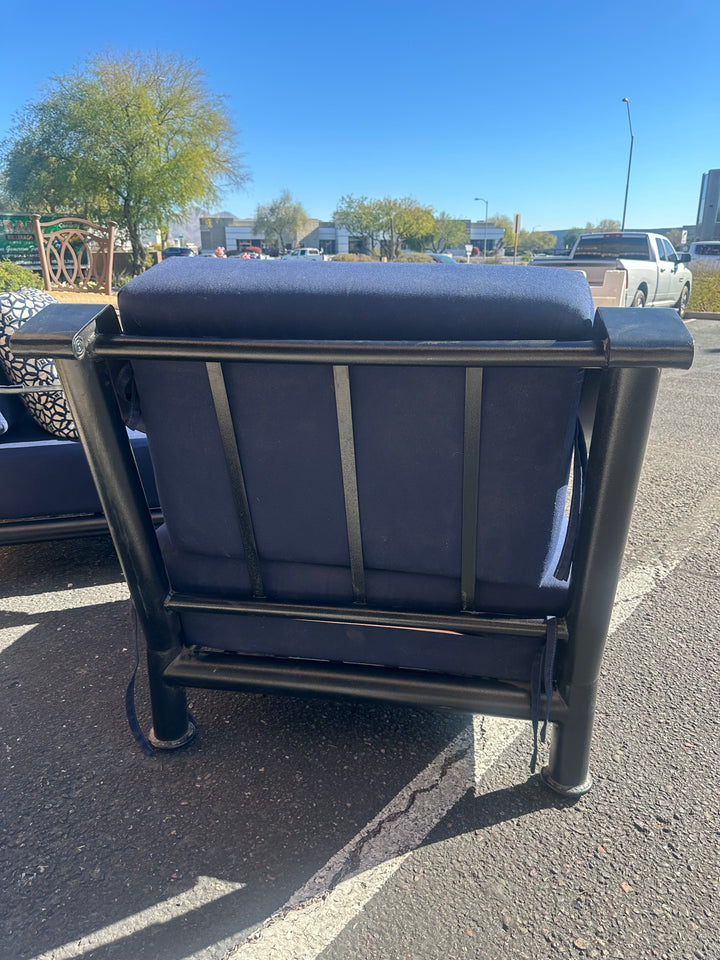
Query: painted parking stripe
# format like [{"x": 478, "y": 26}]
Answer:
[
  {"x": 302, "y": 929},
  {"x": 320, "y": 910},
  {"x": 70, "y": 599},
  {"x": 8, "y": 635},
  {"x": 205, "y": 891}
]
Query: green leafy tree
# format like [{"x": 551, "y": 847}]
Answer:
[
  {"x": 403, "y": 220},
  {"x": 536, "y": 241},
  {"x": 542, "y": 240},
  {"x": 361, "y": 217},
  {"x": 571, "y": 235},
  {"x": 605, "y": 226},
  {"x": 447, "y": 232},
  {"x": 500, "y": 220},
  {"x": 136, "y": 137},
  {"x": 393, "y": 221},
  {"x": 281, "y": 221},
  {"x": 608, "y": 226},
  {"x": 5, "y": 201}
]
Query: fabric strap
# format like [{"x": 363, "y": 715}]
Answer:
[
  {"x": 542, "y": 676},
  {"x": 130, "y": 711},
  {"x": 562, "y": 571}
]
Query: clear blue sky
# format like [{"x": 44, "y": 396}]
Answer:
[{"x": 519, "y": 103}]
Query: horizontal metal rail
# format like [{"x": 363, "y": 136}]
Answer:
[
  {"x": 19, "y": 389},
  {"x": 201, "y": 667},
  {"x": 584, "y": 353},
  {"x": 469, "y": 623},
  {"x": 39, "y": 529}
]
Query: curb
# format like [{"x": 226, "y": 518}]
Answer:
[{"x": 696, "y": 315}]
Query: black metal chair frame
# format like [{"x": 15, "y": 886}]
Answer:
[
  {"x": 41, "y": 529},
  {"x": 630, "y": 348}
]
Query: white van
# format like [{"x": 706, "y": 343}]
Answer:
[{"x": 705, "y": 253}]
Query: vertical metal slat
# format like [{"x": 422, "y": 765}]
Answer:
[
  {"x": 471, "y": 479},
  {"x": 237, "y": 479},
  {"x": 343, "y": 406}
]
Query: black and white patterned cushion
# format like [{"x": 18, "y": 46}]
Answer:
[{"x": 50, "y": 410}]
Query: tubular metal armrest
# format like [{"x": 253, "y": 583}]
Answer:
[
  {"x": 624, "y": 337},
  {"x": 58, "y": 330},
  {"x": 647, "y": 338}
]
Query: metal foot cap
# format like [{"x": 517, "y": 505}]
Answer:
[
  {"x": 173, "y": 744},
  {"x": 574, "y": 791}
]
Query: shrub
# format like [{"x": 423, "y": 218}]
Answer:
[
  {"x": 705, "y": 294},
  {"x": 353, "y": 257},
  {"x": 414, "y": 258},
  {"x": 13, "y": 276}
]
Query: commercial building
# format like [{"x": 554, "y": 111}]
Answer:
[
  {"x": 708, "y": 216},
  {"x": 234, "y": 234}
]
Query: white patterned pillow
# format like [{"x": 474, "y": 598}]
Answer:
[{"x": 50, "y": 409}]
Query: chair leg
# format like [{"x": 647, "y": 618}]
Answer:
[
  {"x": 567, "y": 772},
  {"x": 172, "y": 726}
]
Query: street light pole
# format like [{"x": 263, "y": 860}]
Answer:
[
  {"x": 632, "y": 140},
  {"x": 486, "y": 219}
]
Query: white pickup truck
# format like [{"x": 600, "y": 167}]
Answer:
[
  {"x": 654, "y": 274},
  {"x": 304, "y": 253}
]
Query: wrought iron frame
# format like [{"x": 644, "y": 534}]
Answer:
[
  {"x": 92, "y": 267},
  {"x": 628, "y": 351}
]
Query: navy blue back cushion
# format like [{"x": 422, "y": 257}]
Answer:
[
  {"x": 352, "y": 301},
  {"x": 408, "y": 424}
]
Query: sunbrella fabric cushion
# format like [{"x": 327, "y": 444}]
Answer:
[{"x": 408, "y": 424}]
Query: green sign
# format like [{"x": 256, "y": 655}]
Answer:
[{"x": 17, "y": 240}]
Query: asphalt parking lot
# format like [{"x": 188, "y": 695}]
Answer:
[{"x": 327, "y": 830}]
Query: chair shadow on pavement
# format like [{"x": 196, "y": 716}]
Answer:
[{"x": 95, "y": 832}]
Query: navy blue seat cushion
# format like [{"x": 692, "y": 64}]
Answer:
[
  {"x": 42, "y": 476},
  {"x": 12, "y": 409},
  {"x": 438, "y": 651},
  {"x": 408, "y": 424}
]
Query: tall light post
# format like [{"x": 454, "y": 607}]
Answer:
[
  {"x": 392, "y": 234},
  {"x": 486, "y": 218},
  {"x": 632, "y": 140}
]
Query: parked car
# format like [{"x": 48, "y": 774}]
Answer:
[
  {"x": 304, "y": 253},
  {"x": 705, "y": 253},
  {"x": 441, "y": 257},
  {"x": 178, "y": 252},
  {"x": 655, "y": 275}
]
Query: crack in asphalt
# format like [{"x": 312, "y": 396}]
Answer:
[{"x": 354, "y": 859}]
